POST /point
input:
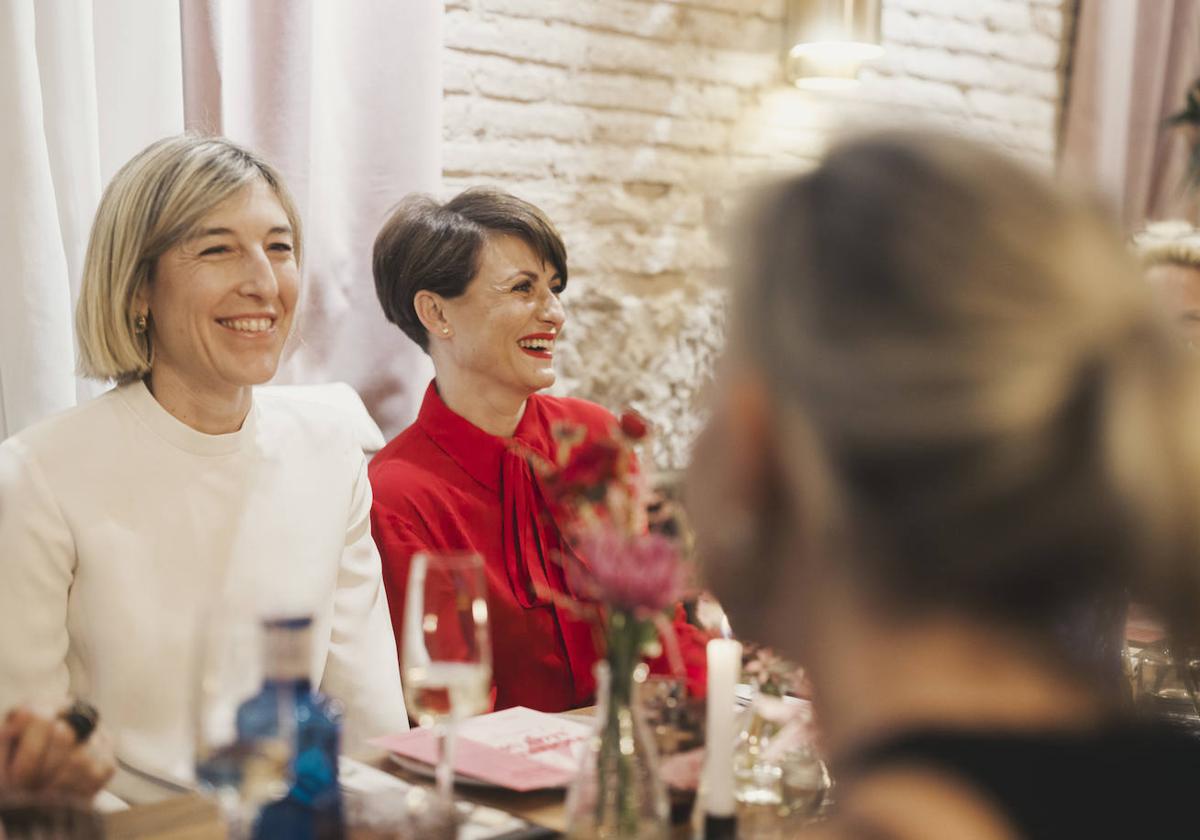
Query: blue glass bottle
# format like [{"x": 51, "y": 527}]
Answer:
[{"x": 288, "y": 710}]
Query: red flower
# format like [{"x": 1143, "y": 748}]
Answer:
[
  {"x": 634, "y": 426},
  {"x": 591, "y": 465}
]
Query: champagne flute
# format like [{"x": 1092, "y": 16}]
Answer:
[{"x": 446, "y": 655}]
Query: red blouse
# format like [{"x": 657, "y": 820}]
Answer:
[{"x": 443, "y": 484}]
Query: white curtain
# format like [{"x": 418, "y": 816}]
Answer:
[
  {"x": 345, "y": 98},
  {"x": 83, "y": 85},
  {"x": 1132, "y": 65}
]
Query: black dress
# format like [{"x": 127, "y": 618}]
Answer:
[{"x": 1129, "y": 781}]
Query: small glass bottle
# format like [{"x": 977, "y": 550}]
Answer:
[{"x": 288, "y": 711}]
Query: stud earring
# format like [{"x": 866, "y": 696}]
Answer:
[
  {"x": 445, "y": 331},
  {"x": 140, "y": 323}
]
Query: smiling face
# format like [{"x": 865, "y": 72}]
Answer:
[
  {"x": 220, "y": 303},
  {"x": 503, "y": 327}
]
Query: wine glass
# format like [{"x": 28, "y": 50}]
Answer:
[{"x": 446, "y": 655}]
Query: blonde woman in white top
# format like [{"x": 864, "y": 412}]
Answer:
[{"x": 124, "y": 520}]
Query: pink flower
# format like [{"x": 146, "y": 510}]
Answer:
[{"x": 639, "y": 573}]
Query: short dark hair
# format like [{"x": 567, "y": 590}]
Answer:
[{"x": 425, "y": 245}]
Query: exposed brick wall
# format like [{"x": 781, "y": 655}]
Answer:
[{"x": 635, "y": 123}]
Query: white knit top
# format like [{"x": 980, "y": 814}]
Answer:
[{"x": 121, "y": 528}]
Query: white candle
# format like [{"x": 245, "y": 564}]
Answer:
[{"x": 724, "y": 668}]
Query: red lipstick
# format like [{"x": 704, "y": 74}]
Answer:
[{"x": 538, "y": 352}]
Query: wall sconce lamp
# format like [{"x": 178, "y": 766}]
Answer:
[{"x": 828, "y": 41}]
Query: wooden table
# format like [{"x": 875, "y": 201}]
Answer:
[{"x": 192, "y": 817}]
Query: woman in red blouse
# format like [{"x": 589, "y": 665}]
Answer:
[{"x": 476, "y": 283}]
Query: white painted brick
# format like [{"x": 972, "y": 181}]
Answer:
[
  {"x": 561, "y": 44},
  {"x": 1052, "y": 23},
  {"x": 616, "y": 15},
  {"x": 928, "y": 30},
  {"x": 664, "y": 250},
  {"x": 466, "y": 157},
  {"x": 906, "y": 91},
  {"x": 1010, "y": 17},
  {"x": 609, "y": 162},
  {"x": 1031, "y": 48},
  {"x": 624, "y": 54},
  {"x": 934, "y": 8},
  {"x": 1013, "y": 109},
  {"x": 652, "y": 95},
  {"x": 968, "y": 69},
  {"x": 940, "y": 65},
  {"x": 641, "y": 129},
  {"x": 491, "y": 118},
  {"x": 618, "y": 90},
  {"x": 456, "y": 73},
  {"x": 645, "y": 205},
  {"x": 1008, "y": 76},
  {"x": 500, "y": 119},
  {"x": 637, "y": 124},
  {"x": 523, "y": 39},
  {"x": 660, "y": 21},
  {"x": 505, "y": 78},
  {"x": 769, "y": 9},
  {"x": 1014, "y": 15}
]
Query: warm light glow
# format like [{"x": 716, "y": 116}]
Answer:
[
  {"x": 479, "y": 611},
  {"x": 836, "y": 52},
  {"x": 825, "y": 84},
  {"x": 829, "y": 40}
]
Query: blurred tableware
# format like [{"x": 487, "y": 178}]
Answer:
[
  {"x": 446, "y": 656},
  {"x": 776, "y": 765},
  {"x": 1164, "y": 683},
  {"x": 290, "y": 733},
  {"x": 379, "y": 805},
  {"x": 676, "y": 719},
  {"x": 389, "y": 815},
  {"x": 227, "y": 672}
]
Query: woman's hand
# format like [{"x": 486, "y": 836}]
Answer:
[{"x": 43, "y": 754}]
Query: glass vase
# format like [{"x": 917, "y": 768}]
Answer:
[
  {"x": 776, "y": 768},
  {"x": 618, "y": 792}
]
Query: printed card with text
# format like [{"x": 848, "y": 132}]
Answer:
[{"x": 518, "y": 748}]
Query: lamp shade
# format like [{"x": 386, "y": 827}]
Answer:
[{"x": 828, "y": 40}]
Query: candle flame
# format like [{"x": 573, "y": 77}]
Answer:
[{"x": 726, "y": 630}]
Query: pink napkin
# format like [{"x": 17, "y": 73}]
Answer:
[{"x": 478, "y": 761}]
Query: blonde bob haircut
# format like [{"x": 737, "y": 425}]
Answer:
[{"x": 155, "y": 201}]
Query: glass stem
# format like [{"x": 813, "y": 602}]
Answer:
[{"x": 444, "y": 732}]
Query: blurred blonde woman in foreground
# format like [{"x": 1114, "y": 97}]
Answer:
[{"x": 951, "y": 430}]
